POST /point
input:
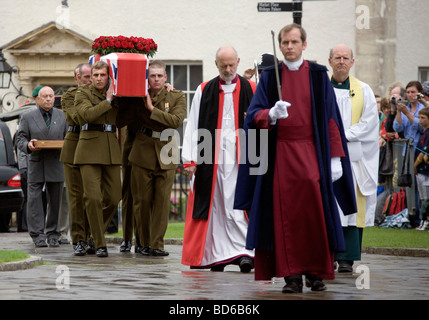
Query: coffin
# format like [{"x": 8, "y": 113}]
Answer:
[{"x": 127, "y": 73}]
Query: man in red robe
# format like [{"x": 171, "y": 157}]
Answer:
[
  {"x": 215, "y": 233},
  {"x": 294, "y": 221}
]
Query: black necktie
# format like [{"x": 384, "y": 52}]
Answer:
[{"x": 48, "y": 119}]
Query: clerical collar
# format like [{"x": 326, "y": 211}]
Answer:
[
  {"x": 230, "y": 82},
  {"x": 293, "y": 65},
  {"x": 341, "y": 85}
]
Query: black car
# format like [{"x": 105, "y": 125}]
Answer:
[{"x": 11, "y": 195}]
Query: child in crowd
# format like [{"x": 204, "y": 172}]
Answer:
[
  {"x": 421, "y": 167},
  {"x": 386, "y": 127}
]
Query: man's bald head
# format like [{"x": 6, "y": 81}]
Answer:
[
  {"x": 46, "y": 98},
  {"x": 341, "y": 61},
  {"x": 342, "y": 48},
  {"x": 227, "y": 61}
]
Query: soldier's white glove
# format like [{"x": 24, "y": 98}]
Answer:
[
  {"x": 279, "y": 111},
  {"x": 336, "y": 169}
]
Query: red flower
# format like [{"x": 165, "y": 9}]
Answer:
[{"x": 107, "y": 44}]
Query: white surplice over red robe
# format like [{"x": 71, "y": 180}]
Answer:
[{"x": 215, "y": 233}]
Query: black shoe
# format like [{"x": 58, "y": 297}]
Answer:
[
  {"x": 293, "y": 285},
  {"x": 218, "y": 268},
  {"x": 101, "y": 252},
  {"x": 145, "y": 251},
  {"x": 53, "y": 242},
  {"x": 316, "y": 284},
  {"x": 159, "y": 253},
  {"x": 345, "y": 266},
  {"x": 138, "y": 249},
  {"x": 246, "y": 264},
  {"x": 125, "y": 246},
  {"x": 64, "y": 241},
  {"x": 80, "y": 248},
  {"x": 90, "y": 248},
  {"x": 40, "y": 244}
]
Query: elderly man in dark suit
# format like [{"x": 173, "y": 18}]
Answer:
[{"x": 44, "y": 167}]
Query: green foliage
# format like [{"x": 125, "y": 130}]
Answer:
[
  {"x": 395, "y": 238},
  {"x": 12, "y": 255},
  {"x": 175, "y": 230},
  {"x": 372, "y": 236},
  {"x": 177, "y": 205}
]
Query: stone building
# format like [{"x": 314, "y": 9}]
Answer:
[{"x": 45, "y": 40}]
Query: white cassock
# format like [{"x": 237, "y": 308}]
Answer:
[
  {"x": 227, "y": 229},
  {"x": 363, "y": 149}
]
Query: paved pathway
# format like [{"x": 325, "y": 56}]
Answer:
[{"x": 121, "y": 276}]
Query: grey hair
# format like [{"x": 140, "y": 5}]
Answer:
[
  {"x": 331, "y": 53},
  {"x": 218, "y": 50}
]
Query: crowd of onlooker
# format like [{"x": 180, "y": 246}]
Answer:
[{"x": 404, "y": 114}]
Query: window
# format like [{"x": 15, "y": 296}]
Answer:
[
  {"x": 186, "y": 77},
  {"x": 423, "y": 74}
]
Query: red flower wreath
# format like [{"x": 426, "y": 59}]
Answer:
[{"x": 107, "y": 44}]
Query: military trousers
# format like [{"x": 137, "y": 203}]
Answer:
[
  {"x": 151, "y": 190},
  {"x": 128, "y": 219},
  {"x": 79, "y": 222},
  {"x": 101, "y": 193}
]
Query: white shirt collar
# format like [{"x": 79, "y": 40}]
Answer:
[{"x": 293, "y": 65}]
